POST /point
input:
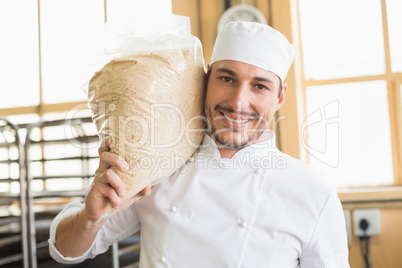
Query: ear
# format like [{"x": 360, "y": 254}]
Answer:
[{"x": 281, "y": 98}]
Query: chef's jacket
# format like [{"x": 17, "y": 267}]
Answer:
[{"x": 261, "y": 208}]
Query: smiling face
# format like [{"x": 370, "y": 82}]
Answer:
[{"x": 240, "y": 103}]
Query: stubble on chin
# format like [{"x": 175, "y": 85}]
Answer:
[{"x": 229, "y": 142}]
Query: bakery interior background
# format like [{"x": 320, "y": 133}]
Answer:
[{"x": 343, "y": 112}]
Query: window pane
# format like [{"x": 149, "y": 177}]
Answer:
[
  {"x": 394, "y": 8},
  {"x": 23, "y": 118},
  {"x": 19, "y": 64},
  {"x": 341, "y": 38},
  {"x": 120, "y": 11},
  {"x": 349, "y": 133},
  {"x": 71, "y": 32}
]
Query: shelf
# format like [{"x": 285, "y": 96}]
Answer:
[
  {"x": 86, "y": 139},
  {"x": 24, "y": 237},
  {"x": 65, "y": 158},
  {"x": 56, "y": 194},
  {"x": 6, "y": 145},
  {"x": 75, "y": 176},
  {"x": 9, "y": 240},
  {"x": 9, "y": 161},
  {"x": 6, "y": 200},
  {"x": 43, "y": 206},
  {"x": 10, "y": 259},
  {"x": 8, "y": 180},
  {"x": 13, "y": 238},
  {"x": 6, "y": 221}
]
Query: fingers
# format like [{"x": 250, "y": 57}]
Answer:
[
  {"x": 107, "y": 185},
  {"x": 112, "y": 179},
  {"x": 104, "y": 146},
  {"x": 146, "y": 191},
  {"x": 108, "y": 160},
  {"x": 110, "y": 193},
  {"x": 111, "y": 188}
]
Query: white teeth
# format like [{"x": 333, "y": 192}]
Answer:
[{"x": 234, "y": 120}]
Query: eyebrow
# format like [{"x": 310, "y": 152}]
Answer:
[
  {"x": 258, "y": 78},
  {"x": 264, "y": 79},
  {"x": 225, "y": 70}
]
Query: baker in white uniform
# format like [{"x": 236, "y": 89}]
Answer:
[{"x": 239, "y": 201}]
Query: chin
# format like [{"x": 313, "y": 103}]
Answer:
[{"x": 230, "y": 142}]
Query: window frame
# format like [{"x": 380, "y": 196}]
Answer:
[
  {"x": 286, "y": 18},
  {"x": 398, "y": 119},
  {"x": 392, "y": 90},
  {"x": 42, "y": 108}
]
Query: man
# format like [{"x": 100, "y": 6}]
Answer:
[{"x": 238, "y": 202}]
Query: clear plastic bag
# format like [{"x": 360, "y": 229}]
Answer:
[{"x": 148, "y": 95}]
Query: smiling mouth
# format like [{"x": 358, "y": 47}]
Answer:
[{"x": 236, "y": 121}]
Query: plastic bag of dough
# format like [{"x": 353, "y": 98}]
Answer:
[{"x": 148, "y": 96}]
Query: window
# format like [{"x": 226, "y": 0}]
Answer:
[
  {"x": 71, "y": 36},
  {"x": 49, "y": 45},
  {"x": 19, "y": 64},
  {"x": 352, "y": 132},
  {"x": 395, "y": 38},
  {"x": 352, "y": 62}
]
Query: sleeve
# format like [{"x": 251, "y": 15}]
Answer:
[
  {"x": 120, "y": 225},
  {"x": 328, "y": 247}
]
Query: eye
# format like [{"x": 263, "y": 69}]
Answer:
[
  {"x": 261, "y": 87},
  {"x": 226, "y": 79}
]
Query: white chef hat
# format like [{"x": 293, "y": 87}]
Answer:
[{"x": 256, "y": 44}]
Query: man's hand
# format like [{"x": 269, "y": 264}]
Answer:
[
  {"x": 76, "y": 232},
  {"x": 107, "y": 189}
]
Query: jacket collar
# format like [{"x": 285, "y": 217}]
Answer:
[{"x": 209, "y": 148}]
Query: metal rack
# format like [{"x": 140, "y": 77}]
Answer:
[
  {"x": 13, "y": 209},
  {"x": 69, "y": 144},
  {"x": 61, "y": 150}
]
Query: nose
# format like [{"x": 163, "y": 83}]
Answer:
[{"x": 240, "y": 98}]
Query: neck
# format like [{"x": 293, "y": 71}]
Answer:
[{"x": 227, "y": 152}]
